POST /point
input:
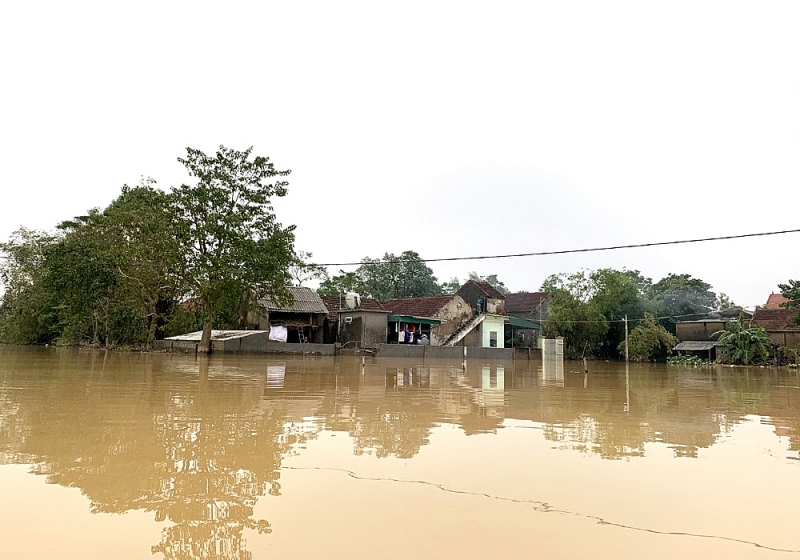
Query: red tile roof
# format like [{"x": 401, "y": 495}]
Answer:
[
  {"x": 332, "y": 303},
  {"x": 524, "y": 302},
  {"x": 418, "y": 307},
  {"x": 781, "y": 319},
  {"x": 775, "y": 300}
]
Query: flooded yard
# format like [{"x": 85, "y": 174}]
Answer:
[{"x": 238, "y": 457}]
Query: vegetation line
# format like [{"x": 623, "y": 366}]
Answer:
[{"x": 543, "y": 507}]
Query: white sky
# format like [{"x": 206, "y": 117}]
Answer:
[{"x": 446, "y": 128}]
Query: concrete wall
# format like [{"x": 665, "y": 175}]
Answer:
[
  {"x": 698, "y": 330},
  {"x": 453, "y": 315},
  {"x": 443, "y": 352},
  {"x": 255, "y": 344},
  {"x": 790, "y": 339},
  {"x": 367, "y": 327}
]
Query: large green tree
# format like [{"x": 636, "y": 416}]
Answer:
[
  {"x": 389, "y": 277},
  {"x": 679, "y": 297},
  {"x": 27, "y": 314},
  {"x": 231, "y": 239}
]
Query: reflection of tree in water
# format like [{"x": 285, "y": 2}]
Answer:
[{"x": 198, "y": 454}]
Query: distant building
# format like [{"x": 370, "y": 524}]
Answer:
[
  {"x": 437, "y": 317},
  {"x": 527, "y": 312},
  {"x": 775, "y": 301},
  {"x": 780, "y": 323},
  {"x": 338, "y": 304}
]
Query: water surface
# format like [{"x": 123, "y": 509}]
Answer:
[{"x": 240, "y": 457}]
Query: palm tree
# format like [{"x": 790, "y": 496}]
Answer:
[{"x": 744, "y": 345}]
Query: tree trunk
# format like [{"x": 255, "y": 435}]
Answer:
[
  {"x": 151, "y": 331},
  {"x": 205, "y": 340}
]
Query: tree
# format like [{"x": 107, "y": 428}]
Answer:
[
  {"x": 301, "y": 270},
  {"x": 26, "y": 309},
  {"x": 587, "y": 308},
  {"x": 723, "y": 302},
  {"x": 451, "y": 286},
  {"x": 232, "y": 242},
  {"x": 389, "y": 277},
  {"x": 679, "y": 296},
  {"x": 648, "y": 341},
  {"x": 791, "y": 291},
  {"x": 140, "y": 228},
  {"x": 342, "y": 283},
  {"x": 491, "y": 279},
  {"x": 402, "y": 276},
  {"x": 744, "y": 345}
]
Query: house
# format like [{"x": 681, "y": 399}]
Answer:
[
  {"x": 300, "y": 321},
  {"x": 775, "y": 301},
  {"x": 534, "y": 306},
  {"x": 527, "y": 313},
  {"x": 487, "y": 327},
  {"x": 695, "y": 337},
  {"x": 780, "y": 323},
  {"x": 372, "y": 317},
  {"x": 483, "y": 297},
  {"x": 437, "y": 317},
  {"x": 360, "y": 321}
]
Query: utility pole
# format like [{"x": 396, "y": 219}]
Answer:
[{"x": 627, "y": 357}]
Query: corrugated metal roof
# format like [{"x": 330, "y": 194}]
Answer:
[
  {"x": 306, "y": 300},
  {"x": 691, "y": 345},
  {"x": 215, "y": 335}
]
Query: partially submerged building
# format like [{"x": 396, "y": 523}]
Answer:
[
  {"x": 781, "y": 325},
  {"x": 527, "y": 313},
  {"x": 302, "y": 320},
  {"x": 435, "y": 317}
]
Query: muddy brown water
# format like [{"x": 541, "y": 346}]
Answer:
[{"x": 238, "y": 457}]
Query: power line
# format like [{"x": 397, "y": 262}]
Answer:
[
  {"x": 568, "y": 251},
  {"x": 560, "y": 252}
]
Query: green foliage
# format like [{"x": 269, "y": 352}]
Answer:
[
  {"x": 791, "y": 291},
  {"x": 648, "y": 341},
  {"x": 687, "y": 360},
  {"x": 27, "y": 314},
  {"x": 342, "y": 283},
  {"x": 109, "y": 277},
  {"x": 587, "y": 309},
  {"x": 744, "y": 345},
  {"x": 451, "y": 286},
  {"x": 230, "y": 238},
  {"x": 389, "y": 277},
  {"x": 491, "y": 279},
  {"x": 680, "y": 296},
  {"x": 723, "y": 303},
  {"x": 301, "y": 270}
]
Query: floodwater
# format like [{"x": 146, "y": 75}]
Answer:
[{"x": 254, "y": 457}]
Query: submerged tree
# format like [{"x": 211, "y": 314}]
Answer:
[
  {"x": 648, "y": 341},
  {"x": 232, "y": 242}
]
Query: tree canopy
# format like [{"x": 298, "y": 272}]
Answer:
[
  {"x": 389, "y": 277},
  {"x": 154, "y": 261},
  {"x": 232, "y": 242}
]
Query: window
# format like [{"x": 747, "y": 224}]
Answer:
[{"x": 492, "y": 339}]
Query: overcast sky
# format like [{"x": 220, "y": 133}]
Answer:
[{"x": 449, "y": 129}]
